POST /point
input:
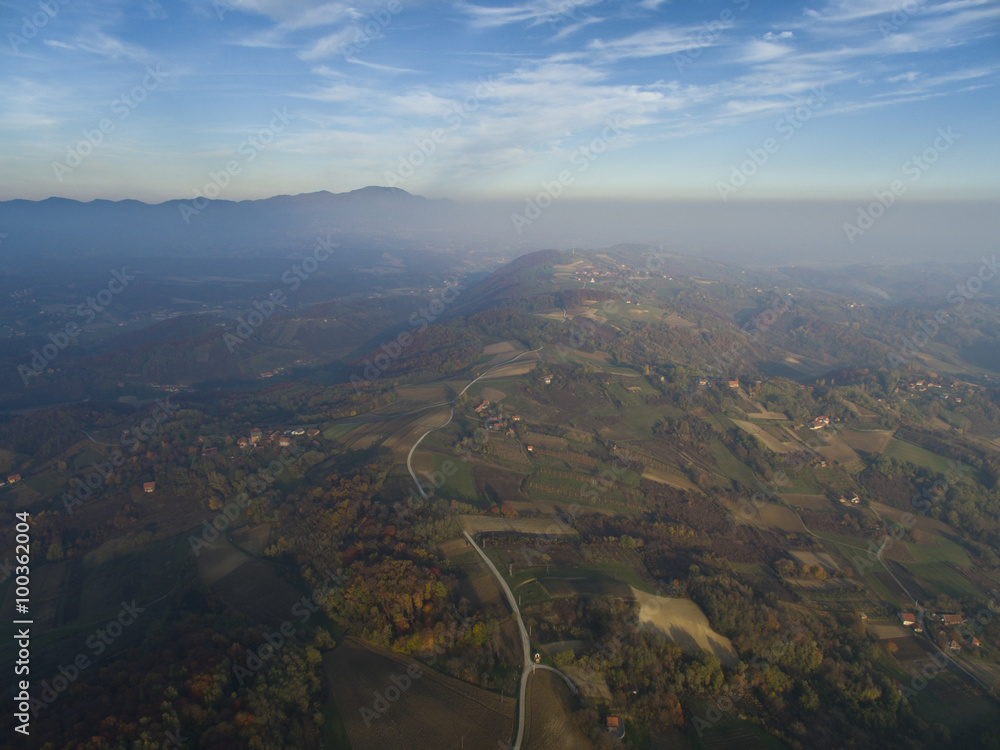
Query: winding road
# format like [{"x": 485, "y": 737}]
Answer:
[
  {"x": 529, "y": 665},
  {"x": 409, "y": 456}
]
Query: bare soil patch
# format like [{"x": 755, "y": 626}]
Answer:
[
  {"x": 884, "y": 630},
  {"x": 672, "y": 480},
  {"x": 502, "y": 348},
  {"x": 837, "y": 450},
  {"x": 493, "y": 395},
  {"x": 764, "y": 436},
  {"x": 774, "y": 517},
  {"x": 434, "y": 711},
  {"x": 823, "y": 559},
  {"x": 765, "y": 414},
  {"x": 514, "y": 368},
  {"x": 548, "y": 718},
  {"x": 684, "y": 623}
]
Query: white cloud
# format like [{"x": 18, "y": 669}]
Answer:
[
  {"x": 664, "y": 40},
  {"x": 760, "y": 51}
]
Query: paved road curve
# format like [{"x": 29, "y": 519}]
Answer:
[{"x": 525, "y": 643}]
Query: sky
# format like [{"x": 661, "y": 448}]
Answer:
[{"x": 727, "y": 100}]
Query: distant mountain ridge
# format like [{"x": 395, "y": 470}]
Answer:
[{"x": 218, "y": 227}]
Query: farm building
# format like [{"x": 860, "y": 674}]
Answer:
[{"x": 616, "y": 726}]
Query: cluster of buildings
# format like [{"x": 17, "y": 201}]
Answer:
[
  {"x": 818, "y": 423},
  {"x": 944, "y": 619},
  {"x": 734, "y": 383},
  {"x": 277, "y": 437},
  {"x": 498, "y": 421}
]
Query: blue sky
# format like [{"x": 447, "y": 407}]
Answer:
[{"x": 480, "y": 100}]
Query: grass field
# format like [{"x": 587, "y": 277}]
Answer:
[
  {"x": 943, "y": 578},
  {"x": 873, "y": 441},
  {"x": 334, "y": 731},
  {"x": 537, "y": 584},
  {"x": 731, "y": 466},
  {"x": 460, "y": 484},
  {"x": 951, "y": 700},
  {"x": 914, "y": 454},
  {"x": 944, "y": 550},
  {"x": 338, "y": 431}
]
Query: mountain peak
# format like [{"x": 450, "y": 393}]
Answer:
[{"x": 377, "y": 190}]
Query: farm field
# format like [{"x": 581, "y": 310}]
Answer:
[
  {"x": 914, "y": 454},
  {"x": 838, "y": 450},
  {"x": 868, "y": 441},
  {"x": 887, "y": 629},
  {"x": 548, "y": 720},
  {"x": 944, "y": 578},
  {"x": 822, "y": 559},
  {"x": 670, "y": 479},
  {"x": 921, "y": 523},
  {"x": 434, "y": 711},
  {"x": 734, "y": 733},
  {"x": 757, "y": 431},
  {"x": 950, "y": 699},
  {"x": 422, "y": 393},
  {"x": 731, "y": 466},
  {"x": 812, "y": 502},
  {"x": 478, "y": 524},
  {"x": 939, "y": 549},
  {"x": 459, "y": 481},
  {"x": 684, "y": 623}
]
